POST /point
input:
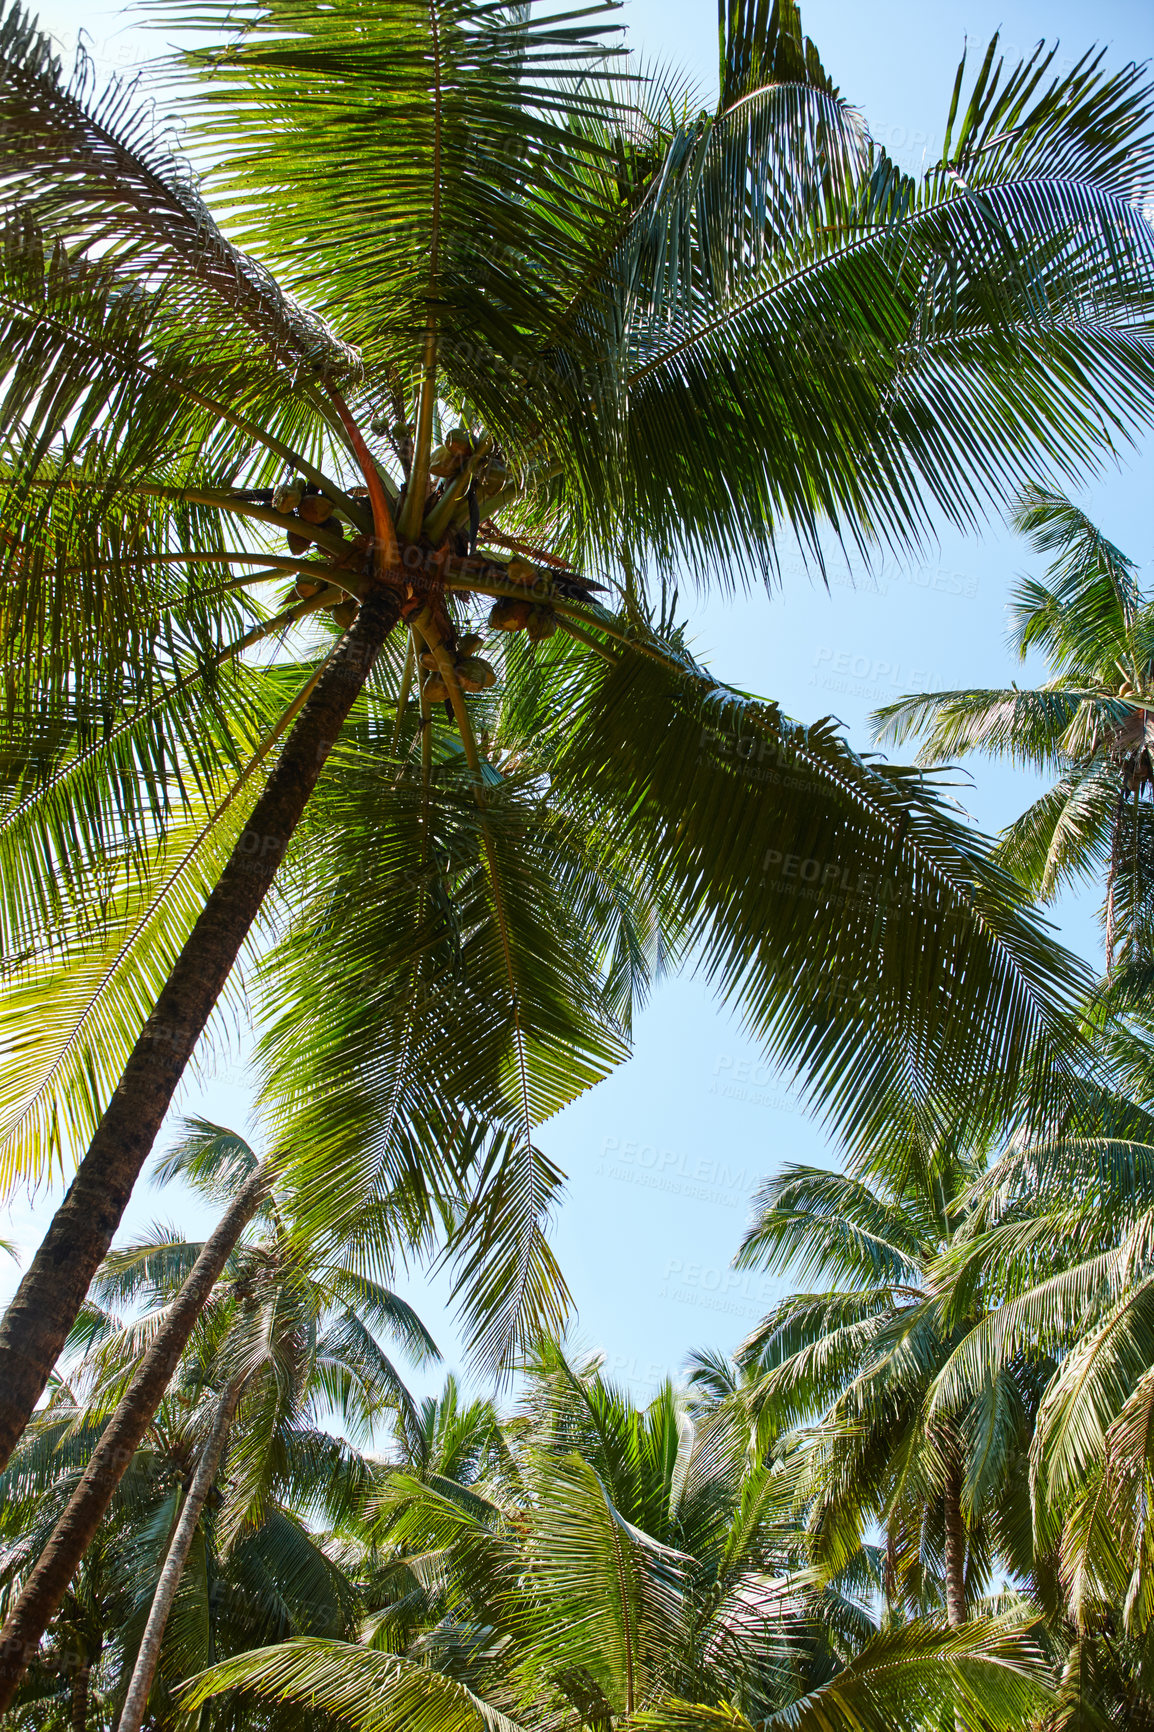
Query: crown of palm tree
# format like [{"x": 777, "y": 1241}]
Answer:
[
  {"x": 513, "y": 322},
  {"x": 1089, "y": 724},
  {"x": 622, "y": 1567}
]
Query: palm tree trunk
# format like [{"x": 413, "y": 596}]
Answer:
[
  {"x": 148, "y": 1654},
  {"x": 49, "y": 1297},
  {"x": 78, "y": 1699},
  {"x": 1112, "y": 881},
  {"x": 955, "y": 1525},
  {"x": 45, "y": 1587}
]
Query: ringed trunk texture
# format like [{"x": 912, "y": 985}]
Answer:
[
  {"x": 49, "y": 1297},
  {"x": 148, "y": 1654},
  {"x": 45, "y": 1587},
  {"x": 955, "y": 1543}
]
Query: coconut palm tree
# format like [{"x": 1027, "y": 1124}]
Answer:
[
  {"x": 286, "y": 1336},
  {"x": 556, "y": 327},
  {"x": 277, "y": 1580},
  {"x": 852, "y": 1367},
  {"x": 626, "y": 1568},
  {"x": 63, "y": 1686},
  {"x": 1059, "y": 1246},
  {"x": 1089, "y": 725}
]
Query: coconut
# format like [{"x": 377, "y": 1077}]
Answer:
[
  {"x": 435, "y": 689},
  {"x": 288, "y": 497},
  {"x": 509, "y": 615},
  {"x": 444, "y": 462},
  {"x": 429, "y": 660},
  {"x": 307, "y": 587},
  {"x": 459, "y": 439},
  {"x": 470, "y": 644},
  {"x": 476, "y": 674},
  {"x": 542, "y": 623},
  {"x": 520, "y": 571},
  {"x": 315, "y": 508},
  {"x": 298, "y": 544},
  {"x": 345, "y": 613}
]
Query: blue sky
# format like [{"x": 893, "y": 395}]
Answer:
[{"x": 662, "y": 1157}]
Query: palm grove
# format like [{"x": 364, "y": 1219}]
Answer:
[{"x": 344, "y": 679}]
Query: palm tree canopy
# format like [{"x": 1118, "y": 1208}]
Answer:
[
  {"x": 610, "y": 386},
  {"x": 623, "y": 1567},
  {"x": 1088, "y": 725},
  {"x": 851, "y": 1368}
]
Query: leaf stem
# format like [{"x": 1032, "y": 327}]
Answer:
[
  {"x": 387, "y": 553},
  {"x": 403, "y": 693}
]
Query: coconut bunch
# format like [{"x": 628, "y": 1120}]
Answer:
[
  {"x": 473, "y": 673},
  {"x": 342, "y": 607},
  {"x": 310, "y": 508},
  {"x": 463, "y": 450},
  {"x": 1134, "y": 743},
  {"x": 535, "y": 615},
  {"x": 469, "y": 480}
]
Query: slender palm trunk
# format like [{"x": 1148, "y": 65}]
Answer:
[
  {"x": 955, "y": 1525},
  {"x": 1112, "y": 881},
  {"x": 78, "y": 1698},
  {"x": 49, "y": 1298},
  {"x": 148, "y": 1654},
  {"x": 45, "y": 1587}
]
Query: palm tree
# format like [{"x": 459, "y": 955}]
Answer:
[
  {"x": 1089, "y": 725},
  {"x": 853, "y": 1366},
  {"x": 62, "y": 1688},
  {"x": 279, "y": 1579},
  {"x": 1058, "y": 1244},
  {"x": 285, "y": 1337},
  {"x": 626, "y": 1568},
  {"x": 555, "y": 332}
]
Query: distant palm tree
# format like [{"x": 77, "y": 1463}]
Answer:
[
  {"x": 850, "y": 1368},
  {"x": 288, "y": 1336},
  {"x": 1091, "y": 724},
  {"x": 627, "y": 1568},
  {"x": 277, "y": 1578},
  {"x": 519, "y": 322},
  {"x": 1060, "y": 1246}
]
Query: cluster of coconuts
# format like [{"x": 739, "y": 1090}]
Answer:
[
  {"x": 536, "y": 619},
  {"x": 310, "y": 507},
  {"x": 344, "y": 611},
  {"x": 448, "y": 459},
  {"x": 474, "y": 673}
]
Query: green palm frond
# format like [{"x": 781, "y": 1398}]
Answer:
[
  {"x": 214, "y": 1159},
  {"x": 894, "y": 396},
  {"x": 990, "y": 1672},
  {"x": 616, "y": 1597},
  {"x": 360, "y": 1687},
  {"x": 1092, "y": 600},
  {"x": 71, "y": 1019},
  {"x": 1088, "y": 1396},
  {"x": 805, "y": 874},
  {"x": 822, "y": 1223},
  {"x": 432, "y": 97},
  {"x": 1065, "y": 835},
  {"x": 507, "y": 1281},
  {"x": 1087, "y": 723},
  {"x": 1027, "y": 727},
  {"x": 120, "y": 176}
]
